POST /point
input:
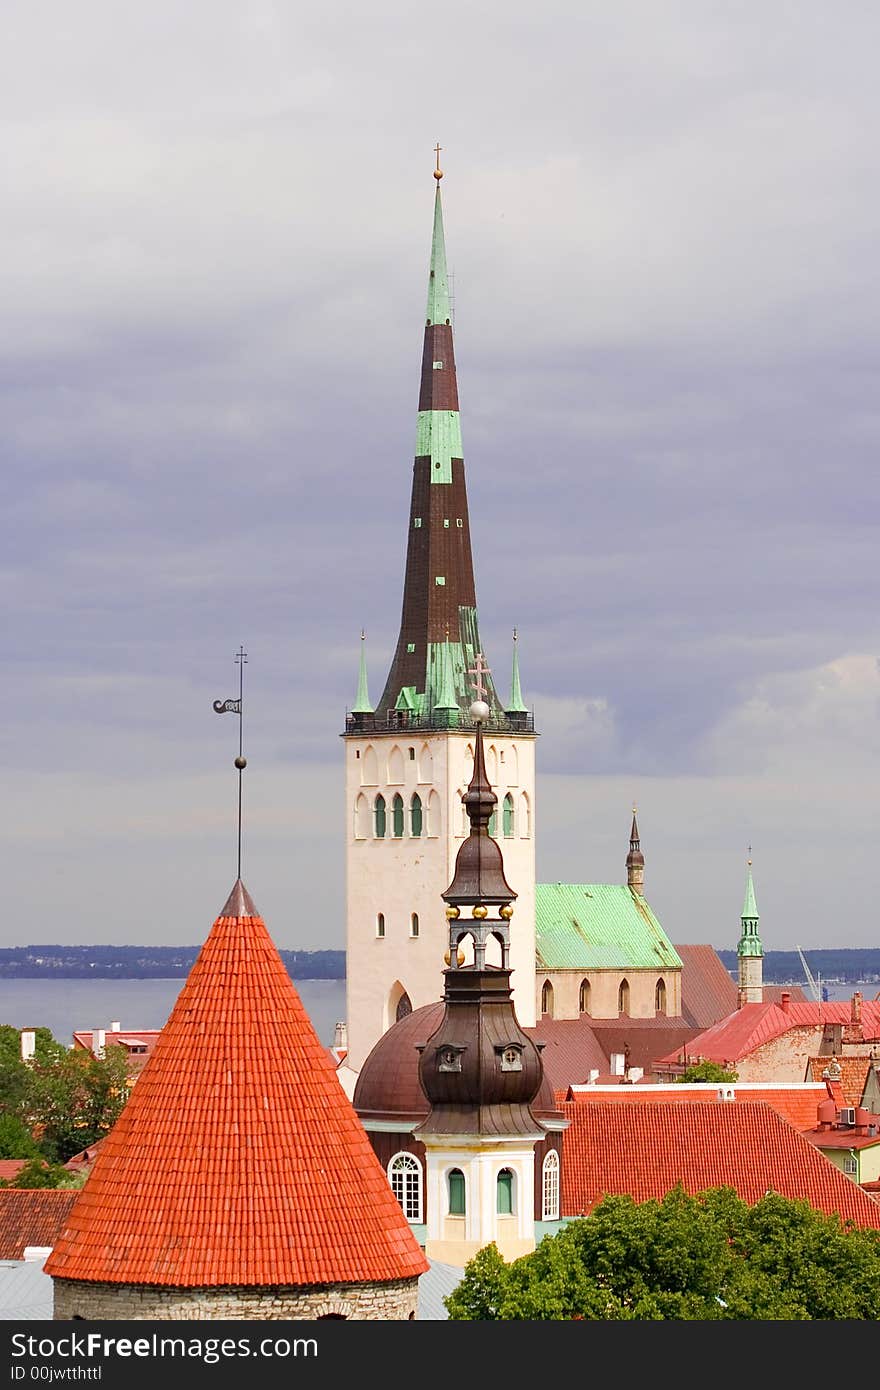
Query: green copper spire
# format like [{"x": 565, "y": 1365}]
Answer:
[
  {"x": 750, "y": 942},
  {"x": 438, "y": 280},
  {"x": 515, "y": 704},
  {"x": 362, "y": 703}
]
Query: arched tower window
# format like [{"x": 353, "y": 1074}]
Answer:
[
  {"x": 397, "y": 816},
  {"x": 504, "y": 1186},
  {"x": 507, "y": 819},
  {"x": 455, "y": 1191},
  {"x": 426, "y": 764},
  {"x": 660, "y": 997},
  {"x": 404, "y": 1007},
  {"x": 550, "y": 1187},
  {"x": 623, "y": 997},
  {"x": 405, "y": 1176},
  {"x": 433, "y": 822},
  {"x": 380, "y": 924},
  {"x": 395, "y": 765},
  {"x": 414, "y": 924},
  {"x": 379, "y": 817},
  {"x": 584, "y": 997},
  {"x": 512, "y": 766},
  {"x": 361, "y": 817},
  {"x": 547, "y": 999},
  {"x": 415, "y": 815},
  {"x": 525, "y": 817},
  {"x": 369, "y": 766},
  {"x": 492, "y": 764}
]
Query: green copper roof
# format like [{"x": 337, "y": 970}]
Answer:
[
  {"x": 362, "y": 703},
  {"x": 515, "y": 704},
  {"x": 441, "y": 652},
  {"x": 438, "y": 436},
  {"x": 750, "y": 943},
  {"x": 598, "y": 926},
  {"x": 750, "y": 906},
  {"x": 438, "y": 282}
]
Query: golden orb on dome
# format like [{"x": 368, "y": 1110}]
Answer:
[
  {"x": 452, "y": 913},
  {"x": 459, "y": 955},
  {"x": 506, "y": 912},
  {"x": 481, "y": 912}
]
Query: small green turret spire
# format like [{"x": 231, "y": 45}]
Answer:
[
  {"x": 362, "y": 703},
  {"x": 750, "y": 942},
  {"x": 515, "y": 704}
]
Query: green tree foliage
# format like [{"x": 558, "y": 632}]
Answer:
[
  {"x": 707, "y": 1071},
  {"x": 59, "y": 1102},
  {"x": 710, "y": 1257},
  {"x": 39, "y": 1173}
]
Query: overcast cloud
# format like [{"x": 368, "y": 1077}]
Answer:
[{"x": 662, "y": 220}]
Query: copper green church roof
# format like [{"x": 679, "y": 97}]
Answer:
[{"x": 598, "y": 926}]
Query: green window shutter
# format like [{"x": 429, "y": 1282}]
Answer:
[
  {"x": 455, "y": 1184},
  {"x": 379, "y": 813},
  {"x": 415, "y": 812},
  {"x": 397, "y": 817},
  {"x": 504, "y": 1192},
  {"x": 507, "y": 818}
]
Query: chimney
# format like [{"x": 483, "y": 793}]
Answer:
[
  {"x": 98, "y": 1038},
  {"x": 340, "y": 1038},
  {"x": 593, "y": 1076},
  {"x": 28, "y": 1044},
  {"x": 636, "y": 1073},
  {"x": 116, "y": 1026},
  {"x": 785, "y": 1001},
  {"x": 856, "y": 1008}
]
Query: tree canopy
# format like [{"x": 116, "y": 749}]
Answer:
[
  {"x": 685, "y": 1258},
  {"x": 707, "y": 1071},
  {"x": 59, "y": 1102}
]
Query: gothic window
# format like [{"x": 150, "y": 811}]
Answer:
[
  {"x": 369, "y": 767},
  {"x": 584, "y": 997},
  {"x": 504, "y": 1192},
  {"x": 512, "y": 767},
  {"x": 547, "y": 999},
  {"x": 414, "y": 924},
  {"x": 433, "y": 825},
  {"x": 492, "y": 764},
  {"x": 379, "y": 814},
  {"x": 415, "y": 815},
  {"x": 623, "y": 997},
  {"x": 380, "y": 924},
  {"x": 405, "y": 1176},
  {"x": 660, "y": 997},
  {"x": 426, "y": 764},
  {"x": 404, "y": 1007},
  {"x": 395, "y": 765},
  {"x": 361, "y": 817},
  {"x": 455, "y": 1191},
  {"x": 550, "y": 1187},
  {"x": 397, "y": 816},
  {"x": 508, "y": 817},
  {"x": 525, "y": 817}
]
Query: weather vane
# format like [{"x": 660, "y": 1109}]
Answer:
[{"x": 235, "y": 707}]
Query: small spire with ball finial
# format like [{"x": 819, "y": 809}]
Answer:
[
  {"x": 438, "y": 172},
  {"x": 235, "y": 707}
]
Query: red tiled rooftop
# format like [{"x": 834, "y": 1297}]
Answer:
[
  {"x": 645, "y": 1150},
  {"x": 708, "y": 991},
  {"x": 32, "y": 1216},
  {"x": 238, "y": 1159},
  {"x": 796, "y": 1102},
  {"x": 10, "y": 1168},
  {"x": 853, "y": 1074}
]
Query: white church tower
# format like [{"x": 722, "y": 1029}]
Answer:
[{"x": 409, "y": 759}]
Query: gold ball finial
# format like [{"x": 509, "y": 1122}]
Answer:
[
  {"x": 438, "y": 172},
  {"x": 459, "y": 956},
  {"x": 506, "y": 912},
  {"x": 480, "y": 912},
  {"x": 452, "y": 913}
]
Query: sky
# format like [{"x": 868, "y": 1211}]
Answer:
[{"x": 662, "y": 217}]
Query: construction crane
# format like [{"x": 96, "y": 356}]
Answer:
[{"x": 815, "y": 989}]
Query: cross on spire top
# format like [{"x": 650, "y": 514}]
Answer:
[
  {"x": 438, "y": 172},
  {"x": 479, "y": 670}
]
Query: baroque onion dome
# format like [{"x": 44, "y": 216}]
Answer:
[
  {"x": 439, "y": 638},
  {"x": 479, "y": 1070}
]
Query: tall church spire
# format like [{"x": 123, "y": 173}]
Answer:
[
  {"x": 515, "y": 705},
  {"x": 635, "y": 861},
  {"x": 750, "y": 950},
  {"x": 439, "y": 594}
]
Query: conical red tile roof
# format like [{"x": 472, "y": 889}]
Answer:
[{"x": 238, "y": 1159}]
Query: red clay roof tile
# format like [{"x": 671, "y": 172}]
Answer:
[
  {"x": 32, "y": 1216},
  {"x": 238, "y": 1158},
  {"x": 645, "y": 1150}
]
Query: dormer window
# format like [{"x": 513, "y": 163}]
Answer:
[
  {"x": 509, "y": 1056},
  {"x": 449, "y": 1057}
]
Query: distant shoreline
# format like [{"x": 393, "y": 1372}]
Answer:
[{"x": 62, "y": 962}]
